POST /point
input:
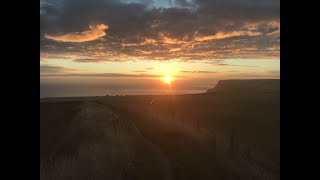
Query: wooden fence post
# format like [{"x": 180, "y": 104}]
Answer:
[
  {"x": 124, "y": 174},
  {"x": 214, "y": 144},
  {"x": 232, "y": 144},
  {"x": 198, "y": 126},
  {"x": 249, "y": 154},
  {"x": 236, "y": 147}
]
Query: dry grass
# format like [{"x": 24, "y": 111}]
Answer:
[{"x": 127, "y": 138}]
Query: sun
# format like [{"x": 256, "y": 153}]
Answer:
[{"x": 167, "y": 79}]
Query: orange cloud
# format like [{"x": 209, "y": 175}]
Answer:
[
  {"x": 175, "y": 49},
  {"x": 149, "y": 41},
  {"x": 275, "y": 24},
  {"x": 222, "y": 35},
  {"x": 171, "y": 41},
  {"x": 144, "y": 52},
  {"x": 128, "y": 44},
  {"x": 93, "y": 33}
]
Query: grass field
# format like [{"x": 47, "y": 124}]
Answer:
[{"x": 216, "y": 135}]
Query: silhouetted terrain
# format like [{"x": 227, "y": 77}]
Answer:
[
  {"x": 247, "y": 86},
  {"x": 230, "y": 132}
]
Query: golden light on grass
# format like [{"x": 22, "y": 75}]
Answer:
[{"x": 167, "y": 79}]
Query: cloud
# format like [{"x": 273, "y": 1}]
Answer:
[
  {"x": 198, "y": 71},
  {"x": 139, "y": 71},
  {"x": 175, "y": 49},
  {"x": 93, "y": 33},
  {"x": 89, "y": 60},
  {"x": 165, "y": 4},
  {"x": 222, "y": 35},
  {"x": 225, "y": 64},
  {"x": 55, "y": 69},
  {"x": 161, "y": 30}
]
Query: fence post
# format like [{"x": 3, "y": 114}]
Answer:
[
  {"x": 236, "y": 147},
  {"x": 172, "y": 115},
  {"x": 198, "y": 124},
  {"x": 124, "y": 174},
  {"x": 232, "y": 144},
  {"x": 115, "y": 128},
  {"x": 249, "y": 153},
  {"x": 214, "y": 144}
]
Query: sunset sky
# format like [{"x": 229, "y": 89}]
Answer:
[{"x": 99, "y": 47}]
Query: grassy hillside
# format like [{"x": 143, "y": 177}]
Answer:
[{"x": 224, "y": 134}]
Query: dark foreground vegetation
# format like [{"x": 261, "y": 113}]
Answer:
[{"x": 232, "y": 132}]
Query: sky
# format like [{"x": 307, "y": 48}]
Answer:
[{"x": 99, "y": 47}]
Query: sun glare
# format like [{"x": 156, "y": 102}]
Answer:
[{"x": 167, "y": 79}]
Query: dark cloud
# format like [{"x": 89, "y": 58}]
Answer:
[
  {"x": 89, "y": 60},
  {"x": 225, "y": 64},
  {"x": 161, "y": 30},
  {"x": 241, "y": 9},
  {"x": 55, "y": 69}
]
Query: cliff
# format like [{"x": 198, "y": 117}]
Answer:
[{"x": 247, "y": 86}]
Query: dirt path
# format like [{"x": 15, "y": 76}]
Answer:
[{"x": 163, "y": 161}]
